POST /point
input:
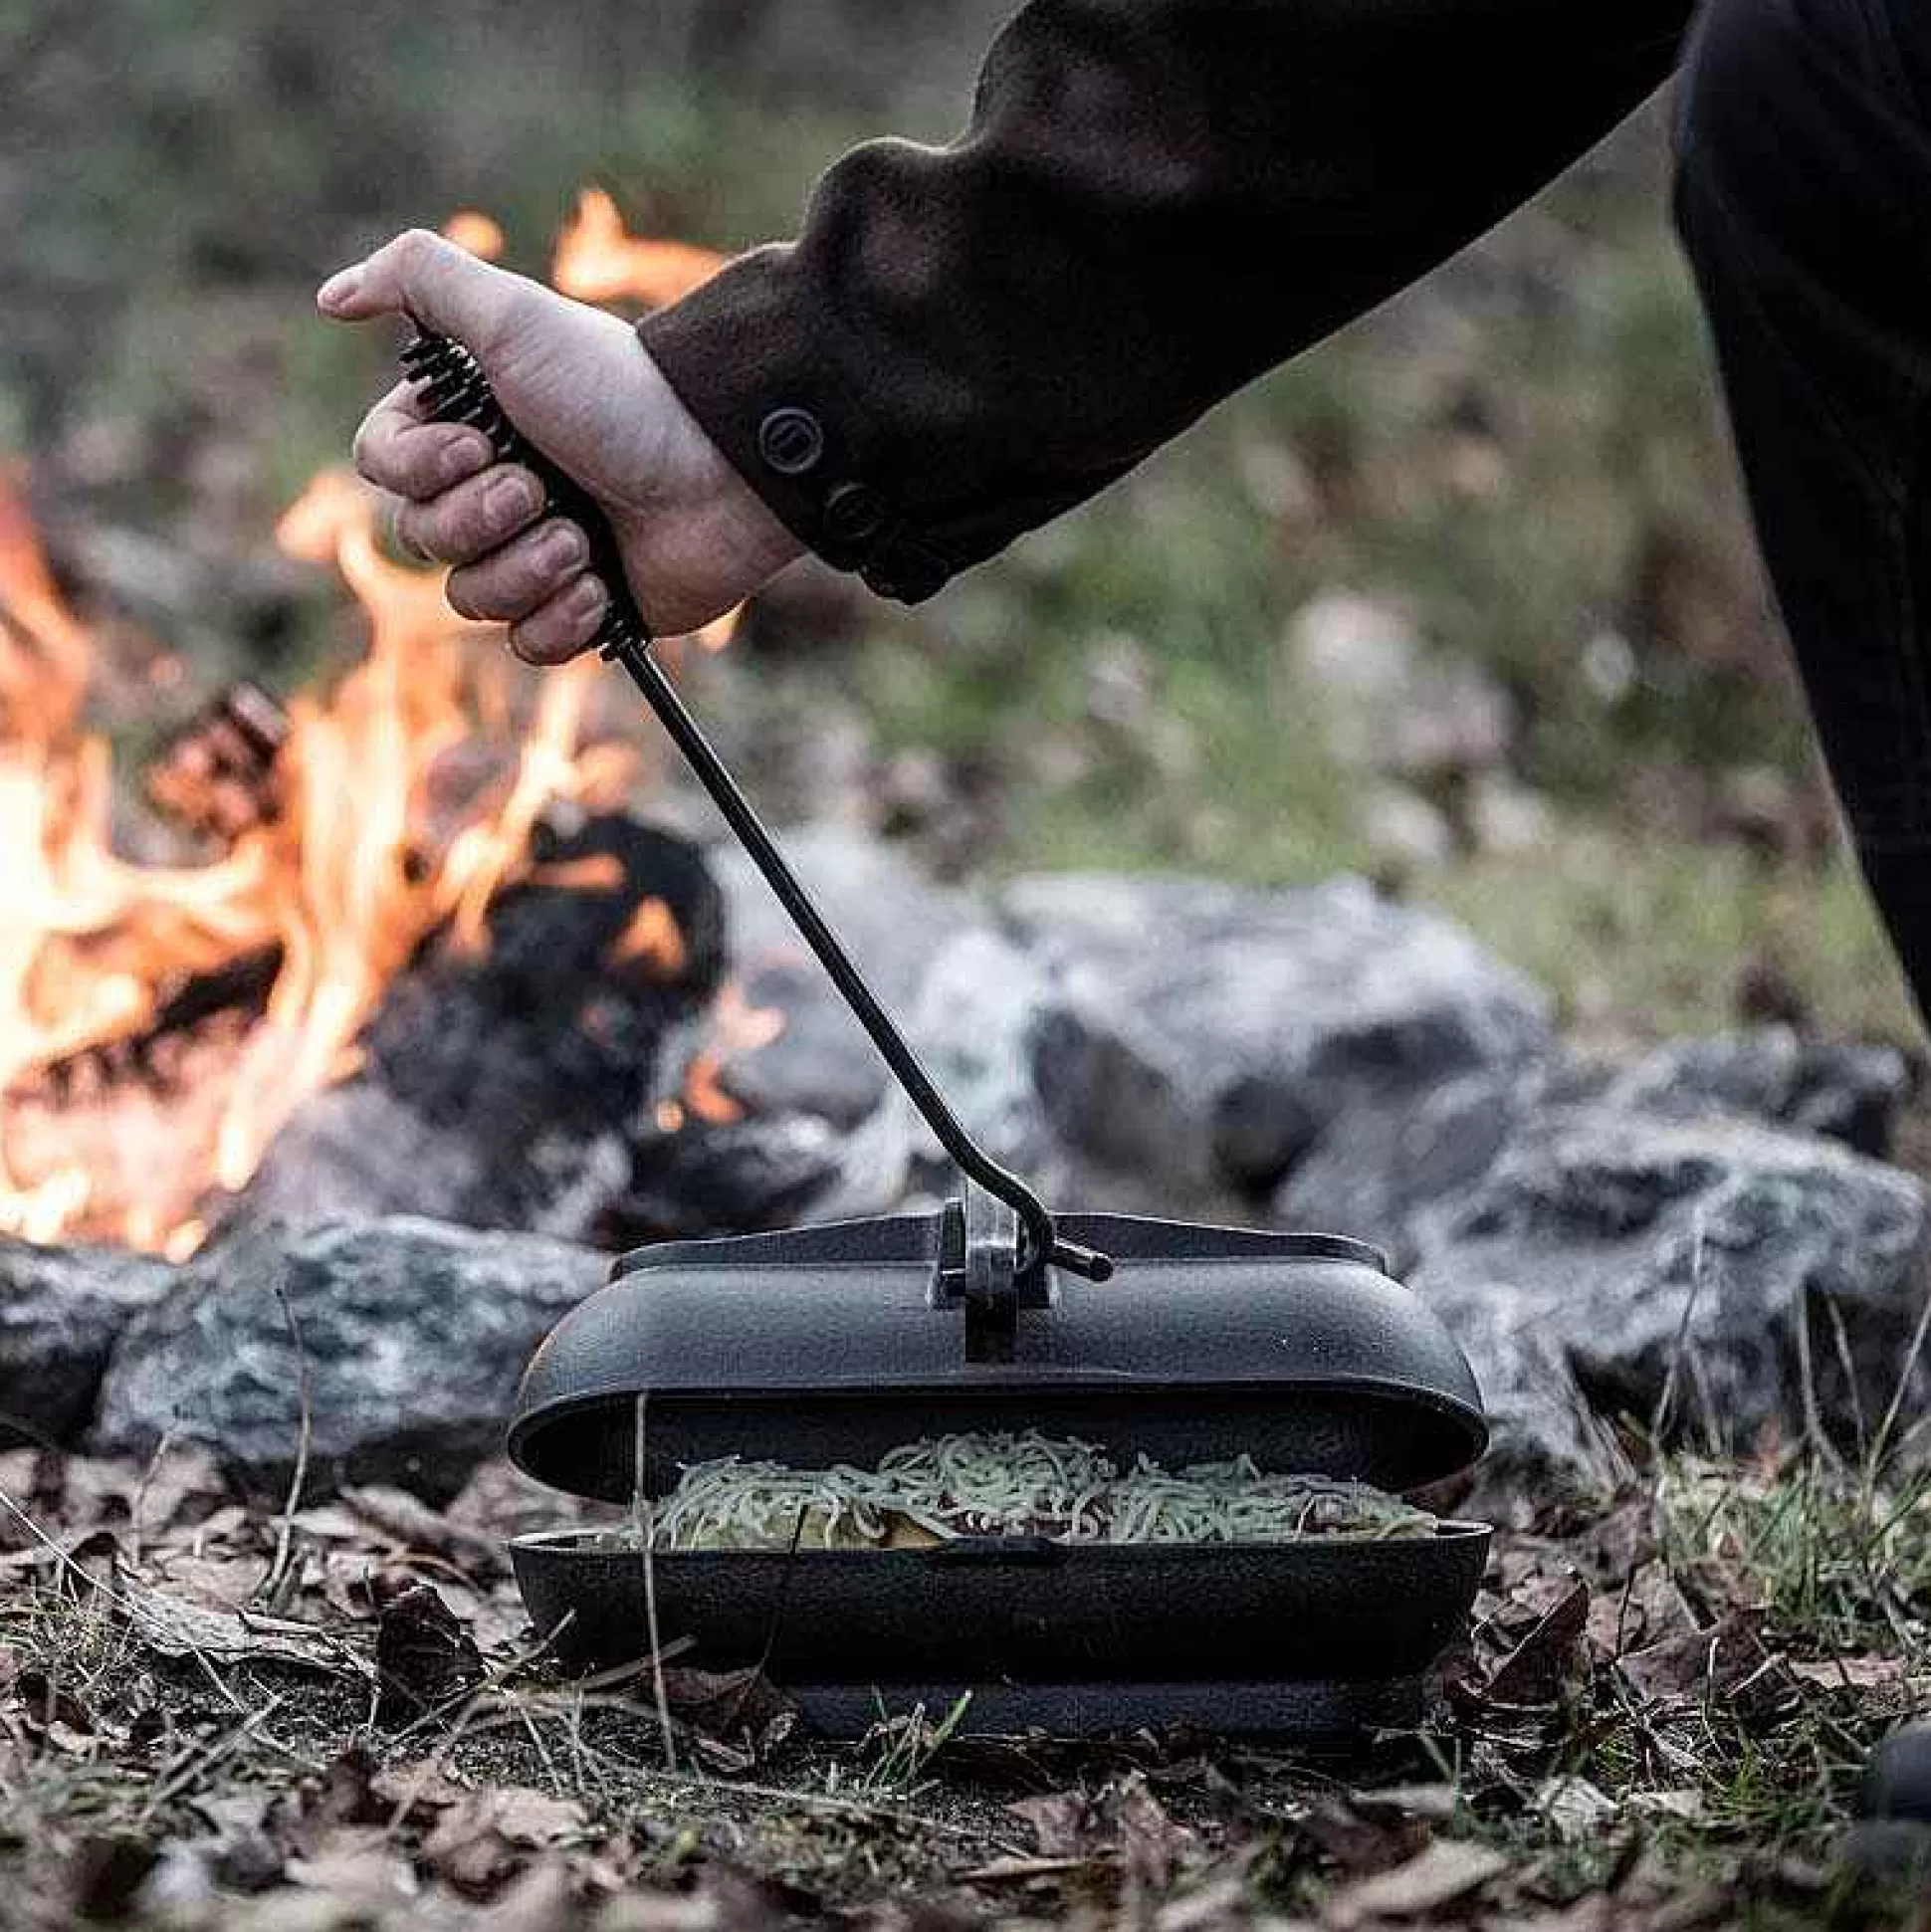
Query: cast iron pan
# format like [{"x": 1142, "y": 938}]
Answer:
[{"x": 834, "y": 1344}]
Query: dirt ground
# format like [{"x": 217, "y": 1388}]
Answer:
[{"x": 224, "y": 1713}]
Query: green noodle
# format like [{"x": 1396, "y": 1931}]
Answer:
[{"x": 1026, "y": 1484}]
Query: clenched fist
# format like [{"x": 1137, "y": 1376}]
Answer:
[{"x": 695, "y": 538}]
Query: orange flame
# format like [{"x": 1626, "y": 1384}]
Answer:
[
  {"x": 341, "y": 885},
  {"x": 335, "y": 882},
  {"x": 477, "y": 233},
  {"x": 598, "y": 260}
]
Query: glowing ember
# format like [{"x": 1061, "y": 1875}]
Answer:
[
  {"x": 738, "y": 1028},
  {"x": 354, "y": 867},
  {"x": 653, "y": 935}
]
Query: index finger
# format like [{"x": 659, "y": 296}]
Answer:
[{"x": 398, "y": 449}]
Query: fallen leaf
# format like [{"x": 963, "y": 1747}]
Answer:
[
  {"x": 423, "y": 1656},
  {"x": 1435, "y": 1803},
  {"x": 1153, "y": 1844},
  {"x": 410, "y": 1522},
  {"x": 356, "y": 1863},
  {"x": 1060, "y": 1822},
  {"x": 727, "y": 1704},
  {"x": 1362, "y": 1838},
  {"x": 418, "y": 1784},
  {"x": 1686, "y": 1804},
  {"x": 1447, "y": 1871},
  {"x": 175, "y": 1626},
  {"x": 1575, "y": 1807},
  {"x": 1852, "y": 1673},
  {"x": 1539, "y": 1666},
  {"x": 469, "y": 1850},
  {"x": 346, "y": 1795},
  {"x": 526, "y": 1816}
]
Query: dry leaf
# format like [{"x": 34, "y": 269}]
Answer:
[
  {"x": 466, "y": 1848},
  {"x": 1060, "y": 1822},
  {"x": 175, "y": 1626},
  {"x": 728, "y": 1704},
  {"x": 1686, "y": 1804},
  {"x": 1852, "y": 1673},
  {"x": 533, "y": 1817},
  {"x": 1435, "y": 1803},
  {"x": 411, "y": 1523},
  {"x": 1575, "y": 1807},
  {"x": 1362, "y": 1838},
  {"x": 1153, "y": 1844},
  {"x": 423, "y": 1656},
  {"x": 1449, "y": 1871},
  {"x": 418, "y": 1785},
  {"x": 1536, "y": 1670}
]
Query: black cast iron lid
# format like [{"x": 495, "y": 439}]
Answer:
[{"x": 834, "y": 1344}]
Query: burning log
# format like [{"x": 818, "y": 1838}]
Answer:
[
  {"x": 497, "y": 1085},
  {"x": 217, "y": 775}
]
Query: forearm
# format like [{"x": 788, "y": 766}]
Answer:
[{"x": 1157, "y": 200}]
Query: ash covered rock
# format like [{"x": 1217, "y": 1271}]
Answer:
[
  {"x": 1207, "y": 1037},
  {"x": 1377, "y": 1168},
  {"x": 414, "y": 1337},
  {"x": 60, "y": 1312},
  {"x": 975, "y": 1025},
  {"x": 743, "y": 1176},
  {"x": 1546, "y": 1445},
  {"x": 1716, "y": 1259}
]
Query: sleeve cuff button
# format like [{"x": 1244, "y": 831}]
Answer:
[
  {"x": 791, "y": 442},
  {"x": 853, "y": 513}
]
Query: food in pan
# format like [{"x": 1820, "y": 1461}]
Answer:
[{"x": 1018, "y": 1485}]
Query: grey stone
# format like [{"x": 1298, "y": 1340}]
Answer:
[
  {"x": 1208, "y": 1035},
  {"x": 61, "y": 1309},
  {"x": 973, "y": 1026},
  {"x": 1378, "y": 1167},
  {"x": 1849, "y": 1090},
  {"x": 1545, "y": 1444},
  {"x": 414, "y": 1336},
  {"x": 1740, "y": 1276},
  {"x": 737, "y": 1178},
  {"x": 890, "y": 918},
  {"x": 1393, "y": 704}
]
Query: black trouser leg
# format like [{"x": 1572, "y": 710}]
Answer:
[{"x": 1804, "y": 195}]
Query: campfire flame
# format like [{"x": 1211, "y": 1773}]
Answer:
[{"x": 341, "y": 885}]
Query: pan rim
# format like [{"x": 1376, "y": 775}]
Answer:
[{"x": 568, "y": 1541}]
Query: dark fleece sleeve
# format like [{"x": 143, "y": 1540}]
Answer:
[{"x": 1155, "y": 201}]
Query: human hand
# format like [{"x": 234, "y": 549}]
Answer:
[{"x": 695, "y": 538}]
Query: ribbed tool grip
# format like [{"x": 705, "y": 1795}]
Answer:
[{"x": 451, "y": 386}]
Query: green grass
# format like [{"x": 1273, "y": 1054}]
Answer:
[{"x": 1646, "y": 938}]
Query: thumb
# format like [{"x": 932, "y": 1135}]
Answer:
[{"x": 421, "y": 274}]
